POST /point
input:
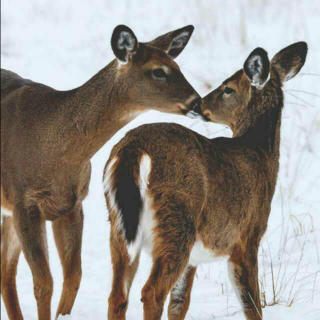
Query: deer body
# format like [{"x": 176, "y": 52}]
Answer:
[
  {"x": 47, "y": 140},
  {"x": 198, "y": 199}
]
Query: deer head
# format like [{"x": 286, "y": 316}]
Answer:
[
  {"x": 254, "y": 88},
  {"x": 152, "y": 77}
]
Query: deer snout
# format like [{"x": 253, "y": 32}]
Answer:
[{"x": 195, "y": 109}]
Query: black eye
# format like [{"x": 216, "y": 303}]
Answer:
[
  {"x": 159, "y": 73},
  {"x": 228, "y": 90}
]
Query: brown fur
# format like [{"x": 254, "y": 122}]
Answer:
[
  {"x": 218, "y": 191},
  {"x": 47, "y": 140}
]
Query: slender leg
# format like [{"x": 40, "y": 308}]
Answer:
[
  {"x": 243, "y": 270},
  {"x": 31, "y": 230},
  {"x": 164, "y": 275},
  {"x": 180, "y": 295},
  {"x": 10, "y": 252},
  {"x": 68, "y": 238},
  {"x": 174, "y": 236},
  {"x": 123, "y": 275}
]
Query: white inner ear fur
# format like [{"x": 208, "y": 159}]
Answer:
[
  {"x": 126, "y": 41},
  {"x": 256, "y": 67},
  {"x": 180, "y": 40},
  {"x": 257, "y": 83},
  {"x": 290, "y": 75}
]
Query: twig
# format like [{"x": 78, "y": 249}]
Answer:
[{"x": 291, "y": 94}]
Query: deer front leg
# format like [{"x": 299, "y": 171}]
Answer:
[
  {"x": 67, "y": 232},
  {"x": 180, "y": 295},
  {"x": 123, "y": 274},
  {"x": 243, "y": 270},
  {"x": 10, "y": 252},
  {"x": 31, "y": 230}
]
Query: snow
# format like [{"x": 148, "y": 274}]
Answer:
[{"x": 64, "y": 43}]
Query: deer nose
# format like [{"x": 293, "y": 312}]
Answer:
[{"x": 196, "y": 105}]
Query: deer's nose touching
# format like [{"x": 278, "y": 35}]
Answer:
[{"x": 195, "y": 110}]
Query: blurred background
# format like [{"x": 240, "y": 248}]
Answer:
[{"x": 64, "y": 43}]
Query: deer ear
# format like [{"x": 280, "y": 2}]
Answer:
[
  {"x": 257, "y": 68},
  {"x": 290, "y": 60},
  {"x": 173, "y": 42},
  {"x": 124, "y": 43}
]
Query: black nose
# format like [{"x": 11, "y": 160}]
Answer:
[{"x": 196, "y": 105}]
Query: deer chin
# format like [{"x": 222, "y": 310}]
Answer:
[
  {"x": 195, "y": 115},
  {"x": 209, "y": 116},
  {"x": 189, "y": 113}
]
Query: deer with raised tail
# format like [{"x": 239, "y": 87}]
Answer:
[
  {"x": 188, "y": 200},
  {"x": 47, "y": 140}
]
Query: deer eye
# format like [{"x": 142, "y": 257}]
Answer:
[
  {"x": 228, "y": 90},
  {"x": 159, "y": 74}
]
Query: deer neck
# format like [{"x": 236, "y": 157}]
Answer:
[
  {"x": 97, "y": 110},
  {"x": 261, "y": 125}
]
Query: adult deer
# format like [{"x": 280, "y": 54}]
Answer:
[
  {"x": 211, "y": 199},
  {"x": 47, "y": 140}
]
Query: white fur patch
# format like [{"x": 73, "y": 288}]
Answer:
[
  {"x": 180, "y": 40},
  {"x": 199, "y": 254},
  {"x": 121, "y": 63},
  {"x": 259, "y": 85},
  {"x": 126, "y": 37},
  {"x": 144, "y": 236},
  {"x": 109, "y": 190},
  {"x": 14, "y": 246},
  {"x": 12, "y": 243},
  {"x": 5, "y": 212},
  {"x": 255, "y": 62},
  {"x": 125, "y": 41},
  {"x": 290, "y": 75},
  {"x": 145, "y": 169},
  {"x": 194, "y": 115},
  {"x": 178, "y": 291}
]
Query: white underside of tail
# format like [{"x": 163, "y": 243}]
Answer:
[
  {"x": 144, "y": 237},
  {"x": 111, "y": 193}
]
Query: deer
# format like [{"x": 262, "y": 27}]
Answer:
[
  {"x": 47, "y": 140},
  {"x": 186, "y": 199}
]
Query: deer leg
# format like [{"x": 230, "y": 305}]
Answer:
[
  {"x": 31, "y": 230},
  {"x": 123, "y": 274},
  {"x": 243, "y": 270},
  {"x": 10, "y": 252},
  {"x": 174, "y": 236},
  {"x": 67, "y": 232},
  {"x": 180, "y": 295},
  {"x": 164, "y": 274}
]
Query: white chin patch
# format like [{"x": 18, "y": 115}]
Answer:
[{"x": 194, "y": 115}]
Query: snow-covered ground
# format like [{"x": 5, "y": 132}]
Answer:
[{"x": 63, "y": 43}]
